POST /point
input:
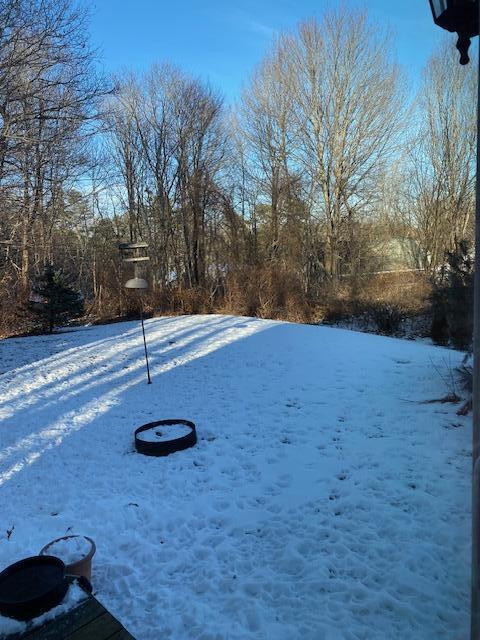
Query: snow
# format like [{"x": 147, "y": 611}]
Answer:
[
  {"x": 324, "y": 499},
  {"x": 71, "y": 549},
  {"x": 163, "y": 433},
  {"x": 73, "y": 597}
]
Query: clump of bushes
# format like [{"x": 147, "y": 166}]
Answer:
[
  {"x": 387, "y": 317},
  {"x": 267, "y": 292},
  {"x": 393, "y": 304}
]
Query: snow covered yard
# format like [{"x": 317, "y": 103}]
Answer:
[{"x": 322, "y": 501}]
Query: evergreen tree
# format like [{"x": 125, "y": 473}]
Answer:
[
  {"x": 452, "y": 300},
  {"x": 60, "y": 301}
]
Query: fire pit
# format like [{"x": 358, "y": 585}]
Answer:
[{"x": 164, "y": 437}]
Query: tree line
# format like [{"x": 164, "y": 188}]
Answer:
[{"x": 277, "y": 205}]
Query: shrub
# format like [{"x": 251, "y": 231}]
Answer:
[
  {"x": 465, "y": 374},
  {"x": 439, "y": 331},
  {"x": 452, "y": 300},
  {"x": 387, "y": 317},
  {"x": 54, "y": 300}
]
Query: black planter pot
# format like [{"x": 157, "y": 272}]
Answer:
[
  {"x": 32, "y": 586},
  {"x": 165, "y": 447}
]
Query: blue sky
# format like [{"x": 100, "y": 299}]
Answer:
[{"x": 223, "y": 41}]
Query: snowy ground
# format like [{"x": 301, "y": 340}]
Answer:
[{"x": 322, "y": 501}]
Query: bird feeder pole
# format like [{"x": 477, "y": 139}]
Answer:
[{"x": 149, "y": 380}]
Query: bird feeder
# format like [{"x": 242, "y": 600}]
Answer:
[{"x": 134, "y": 253}]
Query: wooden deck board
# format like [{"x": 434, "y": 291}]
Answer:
[
  {"x": 88, "y": 621},
  {"x": 121, "y": 635},
  {"x": 102, "y": 627}
]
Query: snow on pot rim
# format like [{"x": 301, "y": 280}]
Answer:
[
  {"x": 71, "y": 549},
  {"x": 163, "y": 437}
]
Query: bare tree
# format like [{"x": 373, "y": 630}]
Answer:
[
  {"x": 48, "y": 89},
  {"x": 439, "y": 181},
  {"x": 169, "y": 142},
  {"x": 348, "y": 109},
  {"x": 266, "y": 114}
]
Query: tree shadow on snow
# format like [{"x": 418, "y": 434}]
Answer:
[{"x": 43, "y": 414}]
